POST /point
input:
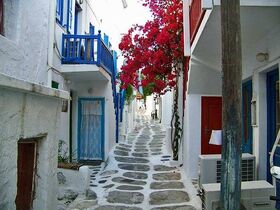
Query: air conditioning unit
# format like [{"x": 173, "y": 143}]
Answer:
[
  {"x": 210, "y": 168},
  {"x": 254, "y": 196}
]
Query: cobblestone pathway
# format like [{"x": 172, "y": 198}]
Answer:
[{"x": 138, "y": 175}]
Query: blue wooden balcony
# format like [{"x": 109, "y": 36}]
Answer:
[{"x": 87, "y": 49}]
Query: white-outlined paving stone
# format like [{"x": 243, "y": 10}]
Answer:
[
  {"x": 138, "y": 175},
  {"x": 131, "y": 160},
  {"x": 168, "y": 197},
  {"x": 125, "y": 197},
  {"x": 134, "y": 167},
  {"x": 123, "y": 180},
  {"x": 166, "y": 185},
  {"x": 107, "y": 207},
  {"x": 186, "y": 207},
  {"x": 164, "y": 168},
  {"x": 121, "y": 153},
  {"x": 129, "y": 187},
  {"x": 167, "y": 176}
]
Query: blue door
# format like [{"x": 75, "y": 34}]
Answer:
[
  {"x": 246, "y": 117},
  {"x": 272, "y": 114},
  {"x": 273, "y": 123},
  {"x": 91, "y": 129}
]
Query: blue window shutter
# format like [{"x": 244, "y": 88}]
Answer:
[
  {"x": 69, "y": 15},
  {"x": 91, "y": 29},
  {"x": 59, "y": 11},
  {"x": 106, "y": 39}
]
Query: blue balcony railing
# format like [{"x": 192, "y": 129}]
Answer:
[{"x": 87, "y": 49}]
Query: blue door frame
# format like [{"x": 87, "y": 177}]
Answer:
[
  {"x": 271, "y": 79},
  {"x": 247, "y": 140},
  {"x": 271, "y": 82},
  {"x": 80, "y": 100}
]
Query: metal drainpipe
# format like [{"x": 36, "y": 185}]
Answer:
[{"x": 51, "y": 40}]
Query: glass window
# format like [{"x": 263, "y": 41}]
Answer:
[{"x": 55, "y": 84}]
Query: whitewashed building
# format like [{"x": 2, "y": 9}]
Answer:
[
  {"x": 84, "y": 64},
  {"x": 29, "y": 108},
  {"x": 260, "y": 28},
  {"x": 57, "y": 83}
]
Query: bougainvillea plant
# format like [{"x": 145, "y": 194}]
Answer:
[{"x": 155, "y": 51}]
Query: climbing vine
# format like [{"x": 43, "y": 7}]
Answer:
[{"x": 129, "y": 94}]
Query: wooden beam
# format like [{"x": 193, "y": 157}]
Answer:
[{"x": 232, "y": 77}]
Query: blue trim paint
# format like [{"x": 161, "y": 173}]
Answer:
[
  {"x": 271, "y": 79},
  {"x": 102, "y": 100},
  {"x": 91, "y": 29},
  {"x": 106, "y": 39},
  {"x": 115, "y": 94},
  {"x": 69, "y": 15},
  {"x": 99, "y": 49},
  {"x": 76, "y": 21},
  {"x": 105, "y": 57},
  {"x": 59, "y": 11},
  {"x": 247, "y": 144}
]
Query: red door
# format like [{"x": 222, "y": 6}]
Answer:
[
  {"x": 211, "y": 119},
  {"x": 26, "y": 164}
]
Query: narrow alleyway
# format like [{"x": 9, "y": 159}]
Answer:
[{"x": 138, "y": 175}]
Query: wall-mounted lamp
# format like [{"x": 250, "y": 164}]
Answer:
[
  {"x": 64, "y": 107},
  {"x": 81, "y": 1},
  {"x": 261, "y": 57},
  {"x": 90, "y": 91}
]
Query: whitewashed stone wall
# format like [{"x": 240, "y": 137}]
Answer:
[
  {"x": 28, "y": 111},
  {"x": 98, "y": 89},
  {"x": 23, "y": 50}
]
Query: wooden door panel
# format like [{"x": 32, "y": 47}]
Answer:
[
  {"x": 211, "y": 119},
  {"x": 26, "y": 160},
  {"x": 91, "y": 129}
]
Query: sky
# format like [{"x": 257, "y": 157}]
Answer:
[{"x": 116, "y": 20}]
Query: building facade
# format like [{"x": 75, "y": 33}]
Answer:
[
  {"x": 57, "y": 84},
  {"x": 85, "y": 65},
  {"x": 260, "y": 28},
  {"x": 29, "y": 108}
]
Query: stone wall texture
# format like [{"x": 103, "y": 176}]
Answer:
[{"x": 23, "y": 116}]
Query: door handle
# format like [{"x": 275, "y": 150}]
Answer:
[{"x": 207, "y": 130}]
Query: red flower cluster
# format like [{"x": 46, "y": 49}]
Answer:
[{"x": 155, "y": 49}]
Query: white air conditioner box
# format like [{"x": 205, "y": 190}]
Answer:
[
  {"x": 254, "y": 196},
  {"x": 210, "y": 168}
]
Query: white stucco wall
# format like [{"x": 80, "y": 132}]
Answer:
[
  {"x": 24, "y": 115},
  {"x": 99, "y": 89},
  {"x": 87, "y": 15},
  {"x": 23, "y": 51},
  {"x": 192, "y": 134},
  {"x": 204, "y": 80},
  {"x": 150, "y": 104},
  {"x": 260, "y": 129},
  {"x": 270, "y": 43},
  {"x": 167, "y": 103}
]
